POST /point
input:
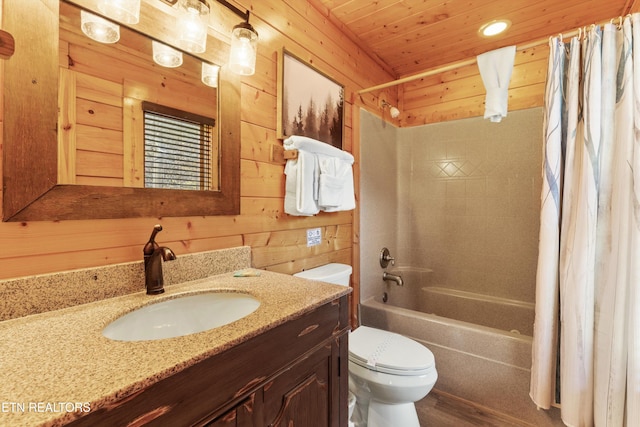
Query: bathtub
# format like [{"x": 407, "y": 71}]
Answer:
[{"x": 482, "y": 344}]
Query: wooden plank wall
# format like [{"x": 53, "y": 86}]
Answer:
[
  {"x": 278, "y": 241},
  {"x": 460, "y": 93}
]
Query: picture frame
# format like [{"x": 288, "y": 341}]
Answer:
[{"x": 310, "y": 102}]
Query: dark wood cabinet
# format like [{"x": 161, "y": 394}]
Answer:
[
  {"x": 242, "y": 415},
  {"x": 301, "y": 396},
  {"x": 294, "y": 374}
]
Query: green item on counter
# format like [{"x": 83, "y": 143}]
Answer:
[{"x": 247, "y": 272}]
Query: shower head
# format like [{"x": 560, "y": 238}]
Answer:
[{"x": 393, "y": 111}]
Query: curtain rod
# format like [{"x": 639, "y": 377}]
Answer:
[{"x": 458, "y": 64}]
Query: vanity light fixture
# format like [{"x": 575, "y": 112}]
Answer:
[
  {"x": 244, "y": 44},
  {"x": 124, "y": 11},
  {"x": 99, "y": 29},
  {"x": 210, "y": 74},
  {"x": 494, "y": 27},
  {"x": 165, "y": 55},
  {"x": 242, "y": 58},
  {"x": 193, "y": 20}
]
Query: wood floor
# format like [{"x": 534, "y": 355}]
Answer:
[{"x": 444, "y": 410}]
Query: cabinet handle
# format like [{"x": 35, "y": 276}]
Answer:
[{"x": 308, "y": 330}]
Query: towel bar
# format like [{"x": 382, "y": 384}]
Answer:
[{"x": 280, "y": 155}]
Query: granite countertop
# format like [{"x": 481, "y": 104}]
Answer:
[{"x": 55, "y": 360}]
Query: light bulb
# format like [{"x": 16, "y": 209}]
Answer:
[
  {"x": 192, "y": 25},
  {"x": 165, "y": 55},
  {"x": 210, "y": 74},
  {"x": 494, "y": 28},
  {"x": 99, "y": 29},
  {"x": 242, "y": 58},
  {"x": 124, "y": 11}
]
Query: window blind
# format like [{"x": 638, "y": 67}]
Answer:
[{"x": 177, "y": 149}]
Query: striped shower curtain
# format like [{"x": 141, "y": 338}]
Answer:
[{"x": 586, "y": 344}]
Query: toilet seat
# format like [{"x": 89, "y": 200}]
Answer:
[{"x": 388, "y": 352}]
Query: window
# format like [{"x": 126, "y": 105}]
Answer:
[{"x": 177, "y": 148}]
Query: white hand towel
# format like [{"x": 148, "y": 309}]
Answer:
[
  {"x": 348, "y": 196},
  {"x": 336, "y": 190},
  {"x": 331, "y": 183},
  {"x": 496, "y": 67},
  {"x": 301, "y": 185},
  {"x": 331, "y": 191}
]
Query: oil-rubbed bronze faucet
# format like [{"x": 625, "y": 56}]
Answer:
[{"x": 154, "y": 254}]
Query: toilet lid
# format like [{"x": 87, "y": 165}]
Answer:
[{"x": 388, "y": 352}]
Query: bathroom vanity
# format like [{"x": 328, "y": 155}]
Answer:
[
  {"x": 291, "y": 375},
  {"x": 284, "y": 364}
]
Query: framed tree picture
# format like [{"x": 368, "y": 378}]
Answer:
[{"x": 310, "y": 103}]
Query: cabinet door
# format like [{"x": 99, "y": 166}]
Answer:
[
  {"x": 246, "y": 414},
  {"x": 301, "y": 395}
]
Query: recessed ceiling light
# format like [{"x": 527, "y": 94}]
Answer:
[{"x": 494, "y": 28}]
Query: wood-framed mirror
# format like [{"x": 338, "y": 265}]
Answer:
[{"x": 32, "y": 188}]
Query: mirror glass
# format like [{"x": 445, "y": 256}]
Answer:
[
  {"x": 73, "y": 146},
  {"x": 126, "y": 121}
]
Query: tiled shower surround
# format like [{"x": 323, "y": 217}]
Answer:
[
  {"x": 458, "y": 201},
  {"x": 461, "y": 198}
]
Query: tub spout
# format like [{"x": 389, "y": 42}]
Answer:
[{"x": 393, "y": 277}]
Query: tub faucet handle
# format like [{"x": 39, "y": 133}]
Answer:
[{"x": 385, "y": 258}]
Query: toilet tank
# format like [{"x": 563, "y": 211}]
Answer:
[{"x": 336, "y": 273}]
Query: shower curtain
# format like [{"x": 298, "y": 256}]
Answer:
[{"x": 586, "y": 346}]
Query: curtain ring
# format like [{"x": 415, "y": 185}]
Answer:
[
  {"x": 619, "y": 24},
  {"x": 555, "y": 39}
]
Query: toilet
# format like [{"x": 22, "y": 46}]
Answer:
[{"x": 388, "y": 372}]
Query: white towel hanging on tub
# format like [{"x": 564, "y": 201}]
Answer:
[{"x": 496, "y": 67}]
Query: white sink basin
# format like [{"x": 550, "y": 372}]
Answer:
[{"x": 181, "y": 316}]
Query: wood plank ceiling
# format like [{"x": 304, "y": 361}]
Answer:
[{"x": 410, "y": 36}]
